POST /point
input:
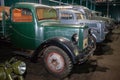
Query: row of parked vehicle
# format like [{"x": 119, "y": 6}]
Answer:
[
  {"x": 98, "y": 25},
  {"x": 61, "y": 35}
]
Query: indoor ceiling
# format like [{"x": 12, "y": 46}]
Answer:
[
  {"x": 103, "y": 2},
  {"x": 111, "y": 2}
]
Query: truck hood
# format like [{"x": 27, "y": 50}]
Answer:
[
  {"x": 56, "y": 23},
  {"x": 89, "y": 21},
  {"x": 47, "y": 22},
  {"x": 92, "y": 23}
]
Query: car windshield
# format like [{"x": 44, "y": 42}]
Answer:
[
  {"x": 80, "y": 16},
  {"x": 46, "y": 13},
  {"x": 88, "y": 14}
]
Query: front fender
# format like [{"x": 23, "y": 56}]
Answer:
[{"x": 60, "y": 42}]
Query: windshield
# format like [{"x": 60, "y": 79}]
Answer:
[
  {"x": 46, "y": 13},
  {"x": 80, "y": 16},
  {"x": 88, "y": 14}
]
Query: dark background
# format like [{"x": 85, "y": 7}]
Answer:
[{"x": 102, "y": 5}]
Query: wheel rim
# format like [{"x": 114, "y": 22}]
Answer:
[{"x": 55, "y": 62}]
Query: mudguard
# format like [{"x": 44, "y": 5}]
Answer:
[
  {"x": 92, "y": 34},
  {"x": 60, "y": 42}
]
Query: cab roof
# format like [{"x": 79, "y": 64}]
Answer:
[
  {"x": 69, "y": 10},
  {"x": 29, "y": 5}
]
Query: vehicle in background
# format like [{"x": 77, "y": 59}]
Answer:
[
  {"x": 108, "y": 21},
  {"x": 82, "y": 15}
]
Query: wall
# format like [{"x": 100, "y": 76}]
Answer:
[
  {"x": 114, "y": 11},
  {"x": 2, "y": 2},
  {"x": 10, "y": 2}
]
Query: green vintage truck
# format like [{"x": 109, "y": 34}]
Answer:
[{"x": 36, "y": 31}]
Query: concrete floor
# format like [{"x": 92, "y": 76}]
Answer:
[{"x": 105, "y": 65}]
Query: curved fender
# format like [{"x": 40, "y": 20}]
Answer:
[
  {"x": 60, "y": 42},
  {"x": 92, "y": 34}
]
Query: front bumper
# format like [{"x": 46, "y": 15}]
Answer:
[{"x": 84, "y": 54}]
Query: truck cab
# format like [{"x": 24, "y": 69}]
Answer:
[{"x": 36, "y": 28}]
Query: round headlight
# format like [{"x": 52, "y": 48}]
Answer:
[
  {"x": 19, "y": 67},
  {"x": 75, "y": 38}
]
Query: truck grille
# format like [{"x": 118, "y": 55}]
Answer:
[
  {"x": 102, "y": 31},
  {"x": 85, "y": 33},
  {"x": 85, "y": 38}
]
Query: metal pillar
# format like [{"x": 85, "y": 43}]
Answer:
[
  {"x": 86, "y": 3},
  {"x": 40, "y": 1},
  {"x": 72, "y": 2},
  {"x": 94, "y": 7},
  {"x": 2, "y": 2},
  {"x": 60, "y": 3},
  {"x": 81, "y": 2},
  {"x": 107, "y": 8},
  {"x": 91, "y": 6}
]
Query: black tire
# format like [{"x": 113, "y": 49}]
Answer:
[{"x": 57, "y": 62}]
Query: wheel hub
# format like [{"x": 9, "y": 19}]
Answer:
[{"x": 55, "y": 62}]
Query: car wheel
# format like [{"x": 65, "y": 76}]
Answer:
[{"x": 57, "y": 62}]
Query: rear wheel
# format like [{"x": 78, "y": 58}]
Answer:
[{"x": 57, "y": 62}]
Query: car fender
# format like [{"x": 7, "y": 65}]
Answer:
[
  {"x": 60, "y": 42},
  {"x": 91, "y": 33}
]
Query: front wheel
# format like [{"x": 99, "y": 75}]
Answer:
[{"x": 57, "y": 62}]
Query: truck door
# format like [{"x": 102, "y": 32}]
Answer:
[{"x": 22, "y": 28}]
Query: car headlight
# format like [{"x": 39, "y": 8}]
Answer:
[
  {"x": 75, "y": 38},
  {"x": 19, "y": 67}
]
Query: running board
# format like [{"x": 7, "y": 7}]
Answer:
[{"x": 24, "y": 54}]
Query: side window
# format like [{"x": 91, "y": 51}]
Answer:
[
  {"x": 66, "y": 16},
  {"x": 21, "y": 15}
]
